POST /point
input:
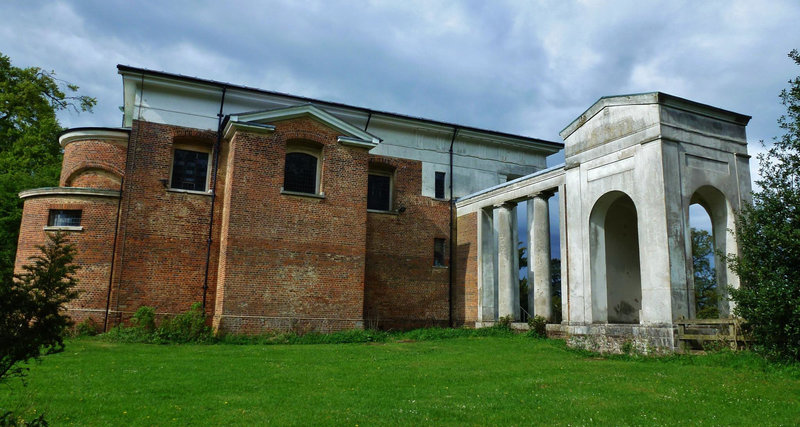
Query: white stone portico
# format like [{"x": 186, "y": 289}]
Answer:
[{"x": 633, "y": 166}]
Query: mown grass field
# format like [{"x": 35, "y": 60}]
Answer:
[{"x": 460, "y": 381}]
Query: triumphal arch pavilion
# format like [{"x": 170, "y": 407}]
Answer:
[{"x": 633, "y": 166}]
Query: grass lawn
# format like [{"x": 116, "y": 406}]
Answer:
[{"x": 461, "y": 381}]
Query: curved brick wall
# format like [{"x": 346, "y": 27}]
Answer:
[
  {"x": 94, "y": 244},
  {"x": 93, "y": 163}
]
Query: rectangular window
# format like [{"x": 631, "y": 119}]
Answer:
[
  {"x": 300, "y": 173},
  {"x": 438, "y": 253},
  {"x": 379, "y": 192},
  {"x": 439, "y": 185},
  {"x": 189, "y": 170},
  {"x": 64, "y": 218}
]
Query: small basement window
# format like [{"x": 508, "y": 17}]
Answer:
[
  {"x": 439, "y": 188},
  {"x": 189, "y": 170},
  {"x": 379, "y": 192},
  {"x": 438, "y": 253},
  {"x": 64, "y": 218}
]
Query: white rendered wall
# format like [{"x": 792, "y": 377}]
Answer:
[{"x": 479, "y": 161}]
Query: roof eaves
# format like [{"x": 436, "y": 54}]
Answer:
[{"x": 129, "y": 69}]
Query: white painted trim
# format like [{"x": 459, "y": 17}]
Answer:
[
  {"x": 199, "y": 193},
  {"x": 63, "y": 228},
  {"x": 518, "y": 189},
  {"x": 355, "y": 142},
  {"x": 233, "y": 126},
  {"x": 301, "y": 194},
  {"x": 67, "y": 191},
  {"x": 307, "y": 110},
  {"x": 116, "y": 136}
]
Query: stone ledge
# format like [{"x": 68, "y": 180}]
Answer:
[{"x": 67, "y": 191}]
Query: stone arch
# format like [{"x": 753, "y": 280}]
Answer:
[
  {"x": 614, "y": 260},
  {"x": 722, "y": 225}
]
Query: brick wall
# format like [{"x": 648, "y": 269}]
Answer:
[
  {"x": 282, "y": 261},
  {"x": 292, "y": 261},
  {"x": 161, "y": 248},
  {"x": 403, "y": 289},
  {"x": 466, "y": 283},
  {"x": 93, "y": 243},
  {"x": 93, "y": 163}
]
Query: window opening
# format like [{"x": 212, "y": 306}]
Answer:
[
  {"x": 189, "y": 170},
  {"x": 439, "y": 185},
  {"x": 438, "y": 252},
  {"x": 300, "y": 173},
  {"x": 64, "y": 218},
  {"x": 379, "y": 192}
]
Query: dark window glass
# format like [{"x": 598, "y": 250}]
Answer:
[
  {"x": 379, "y": 192},
  {"x": 438, "y": 252},
  {"x": 189, "y": 170},
  {"x": 440, "y": 185},
  {"x": 64, "y": 218},
  {"x": 300, "y": 174}
]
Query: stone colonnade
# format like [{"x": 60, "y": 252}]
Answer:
[{"x": 499, "y": 278}]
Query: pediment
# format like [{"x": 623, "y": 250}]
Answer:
[{"x": 350, "y": 134}]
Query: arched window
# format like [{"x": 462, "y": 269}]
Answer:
[
  {"x": 302, "y": 170},
  {"x": 190, "y": 165}
]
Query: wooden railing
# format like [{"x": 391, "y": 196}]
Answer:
[{"x": 693, "y": 333}]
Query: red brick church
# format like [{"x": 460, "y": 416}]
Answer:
[{"x": 274, "y": 211}]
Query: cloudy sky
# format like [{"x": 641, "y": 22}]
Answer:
[{"x": 525, "y": 67}]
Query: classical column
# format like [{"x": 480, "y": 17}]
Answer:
[
  {"x": 539, "y": 257},
  {"x": 507, "y": 278},
  {"x": 487, "y": 286}
]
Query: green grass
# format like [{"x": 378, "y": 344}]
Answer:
[{"x": 459, "y": 381}]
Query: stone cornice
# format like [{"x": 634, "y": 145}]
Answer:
[
  {"x": 67, "y": 191},
  {"x": 114, "y": 135}
]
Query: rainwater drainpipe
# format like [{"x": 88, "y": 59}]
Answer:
[
  {"x": 214, "y": 169},
  {"x": 451, "y": 264}
]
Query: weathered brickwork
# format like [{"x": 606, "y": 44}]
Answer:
[
  {"x": 93, "y": 164},
  {"x": 93, "y": 242},
  {"x": 466, "y": 291},
  {"x": 163, "y": 233},
  {"x": 403, "y": 288},
  {"x": 290, "y": 260},
  {"x": 278, "y": 260}
]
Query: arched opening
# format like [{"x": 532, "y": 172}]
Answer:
[
  {"x": 615, "y": 267},
  {"x": 709, "y": 221}
]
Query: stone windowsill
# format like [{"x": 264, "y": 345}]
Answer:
[
  {"x": 199, "y": 193},
  {"x": 300, "y": 194},
  {"x": 443, "y": 267},
  {"x": 63, "y": 228},
  {"x": 376, "y": 211}
]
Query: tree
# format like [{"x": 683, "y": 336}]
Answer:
[
  {"x": 30, "y": 156},
  {"x": 705, "y": 278},
  {"x": 32, "y": 319},
  {"x": 768, "y": 234}
]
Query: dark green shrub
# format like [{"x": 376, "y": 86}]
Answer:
[
  {"x": 185, "y": 327},
  {"x": 768, "y": 236},
  {"x": 87, "y": 328},
  {"x": 538, "y": 325},
  {"x": 505, "y": 322},
  {"x": 145, "y": 318}
]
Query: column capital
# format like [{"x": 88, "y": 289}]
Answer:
[
  {"x": 545, "y": 194},
  {"x": 506, "y": 205}
]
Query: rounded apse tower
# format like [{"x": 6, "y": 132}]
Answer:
[{"x": 85, "y": 205}]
